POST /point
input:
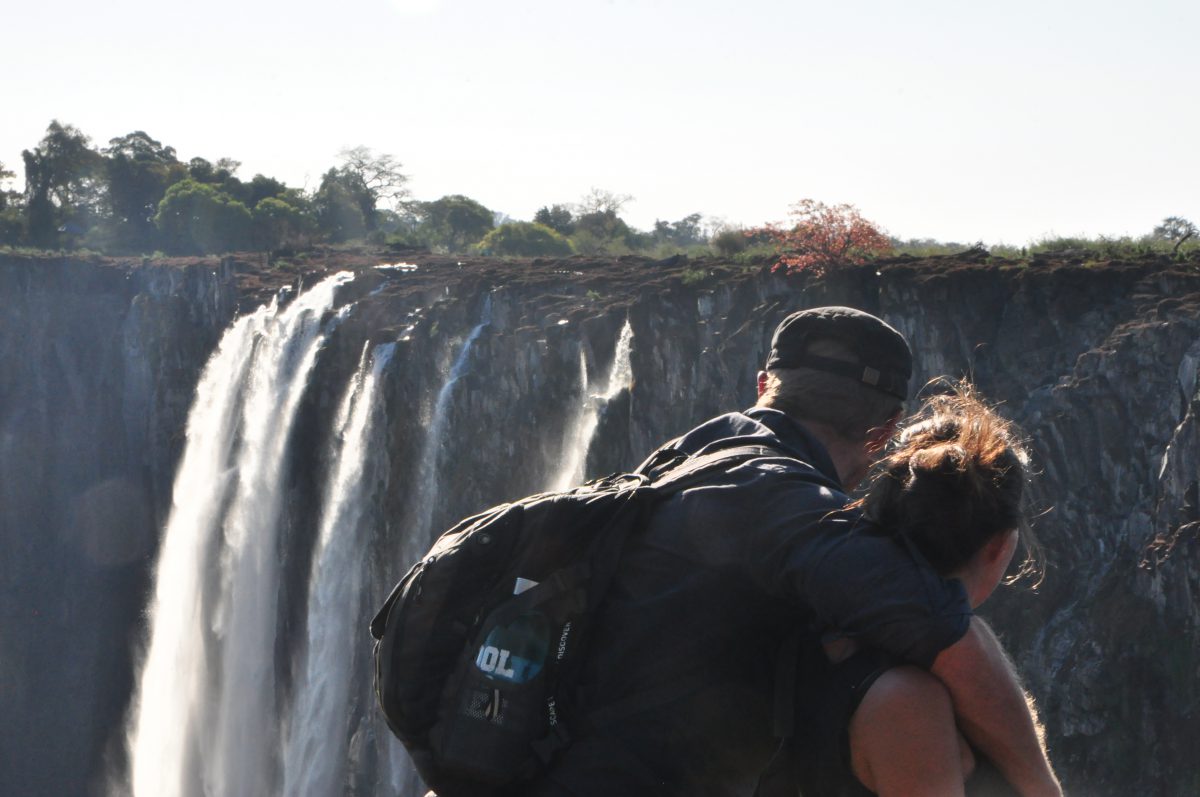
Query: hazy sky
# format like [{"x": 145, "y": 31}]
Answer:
[{"x": 956, "y": 120}]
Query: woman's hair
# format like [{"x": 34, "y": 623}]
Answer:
[{"x": 954, "y": 478}]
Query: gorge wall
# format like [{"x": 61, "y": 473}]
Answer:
[{"x": 471, "y": 382}]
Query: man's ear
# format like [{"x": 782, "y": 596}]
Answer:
[{"x": 762, "y": 383}]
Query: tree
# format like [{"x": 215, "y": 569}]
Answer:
[
  {"x": 347, "y": 201},
  {"x": 363, "y": 180},
  {"x": 339, "y": 204},
  {"x": 455, "y": 222},
  {"x": 12, "y": 211},
  {"x": 603, "y": 225},
  {"x": 598, "y": 200},
  {"x": 203, "y": 171},
  {"x": 196, "y": 218},
  {"x": 379, "y": 174},
  {"x": 688, "y": 231},
  {"x": 5, "y": 194},
  {"x": 1177, "y": 229},
  {"x": 557, "y": 218},
  {"x": 61, "y": 189},
  {"x": 525, "y": 239},
  {"x": 261, "y": 187},
  {"x": 823, "y": 235},
  {"x": 278, "y": 223},
  {"x": 729, "y": 241},
  {"x": 139, "y": 170}
]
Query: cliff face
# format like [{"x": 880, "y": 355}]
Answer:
[
  {"x": 1098, "y": 364},
  {"x": 97, "y": 369}
]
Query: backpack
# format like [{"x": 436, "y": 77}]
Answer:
[{"x": 478, "y": 647}]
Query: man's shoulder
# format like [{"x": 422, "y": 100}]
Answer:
[{"x": 792, "y": 454}]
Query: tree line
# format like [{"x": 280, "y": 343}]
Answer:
[{"x": 137, "y": 196}]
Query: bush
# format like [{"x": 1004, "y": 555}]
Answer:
[
  {"x": 1102, "y": 247},
  {"x": 823, "y": 235},
  {"x": 278, "y": 224},
  {"x": 196, "y": 218},
  {"x": 12, "y": 226},
  {"x": 729, "y": 241},
  {"x": 455, "y": 222},
  {"x": 525, "y": 239}
]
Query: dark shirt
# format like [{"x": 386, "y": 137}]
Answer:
[{"x": 703, "y": 598}]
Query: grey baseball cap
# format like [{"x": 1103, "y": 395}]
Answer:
[{"x": 884, "y": 358}]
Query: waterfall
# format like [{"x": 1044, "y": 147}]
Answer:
[
  {"x": 203, "y": 716},
  {"x": 315, "y": 753},
  {"x": 425, "y": 496},
  {"x": 582, "y": 428}
]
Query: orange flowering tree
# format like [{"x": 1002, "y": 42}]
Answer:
[{"x": 821, "y": 236}]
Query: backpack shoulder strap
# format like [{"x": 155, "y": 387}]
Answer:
[{"x": 688, "y": 471}]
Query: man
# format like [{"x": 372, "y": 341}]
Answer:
[{"x": 686, "y": 671}]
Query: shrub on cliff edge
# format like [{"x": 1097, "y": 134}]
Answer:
[
  {"x": 525, "y": 239},
  {"x": 823, "y": 236}
]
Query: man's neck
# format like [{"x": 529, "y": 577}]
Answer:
[{"x": 848, "y": 458}]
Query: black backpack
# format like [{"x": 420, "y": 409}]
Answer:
[{"x": 478, "y": 647}]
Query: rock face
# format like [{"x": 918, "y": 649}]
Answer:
[
  {"x": 97, "y": 369},
  {"x": 1099, "y": 364}
]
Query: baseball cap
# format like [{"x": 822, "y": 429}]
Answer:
[{"x": 884, "y": 358}]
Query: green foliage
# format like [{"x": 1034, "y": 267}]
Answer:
[
  {"x": 343, "y": 207},
  {"x": 525, "y": 239},
  {"x": 12, "y": 212},
  {"x": 1092, "y": 248},
  {"x": 262, "y": 187},
  {"x": 277, "y": 223},
  {"x": 729, "y": 241},
  {"x": 455, "y": 222},
  {"x": 61, "y": 188},
  {"x": 1175, "y": 230},
  {"x": 347, "y": 201},
  {"x": 138, "y": 170},
  {"x": 12, "y": 226},
  {"x": 196, "y": 218},
  {"x": 684, "y": 233},
  {"x": 586, "y": 242},
  {"x": 603, "y": 224},
  {"x": 557, "y": 217},
  {"x": 219, "y": 173},
  {"x": 928, "y": 247}
]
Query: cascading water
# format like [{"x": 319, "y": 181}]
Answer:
[
  {"x": 397, "y": 770},
  {"x": 203, "y": 719},
  {"x": 314, "y": 757},
  {"x": 583, "y": 427},
  {"x": 425, "y": 497}
]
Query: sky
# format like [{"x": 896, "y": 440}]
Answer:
[{"x": 960, "y": 121}]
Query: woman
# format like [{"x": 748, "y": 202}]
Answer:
[{"x": 952, "y": 489}]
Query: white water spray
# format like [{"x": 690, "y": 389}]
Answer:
[
  {"x": 587, "y": 418},
  {"x": 314, "y": 758},
  {"x": 427, "y": 488},
  {"x": 203, "y": 714}
]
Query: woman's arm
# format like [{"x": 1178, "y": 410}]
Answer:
[{"x": 992, "y": 711}]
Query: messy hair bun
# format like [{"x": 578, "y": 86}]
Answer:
[{"x": 954, "y": 478}]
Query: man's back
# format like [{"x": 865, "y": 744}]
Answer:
[{"x": 681, "y": 678}]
